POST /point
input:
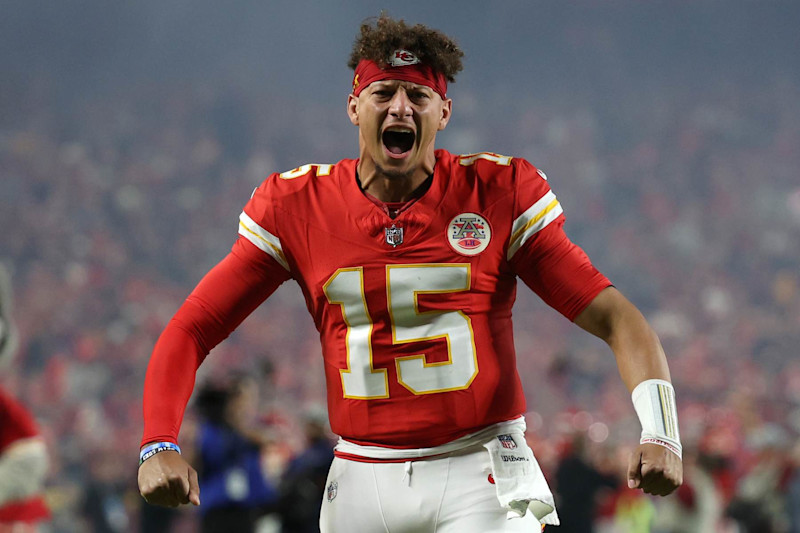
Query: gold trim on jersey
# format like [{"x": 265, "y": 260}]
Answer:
[
  {"x": 532, "y": 221},
  {"x": 264, "y": 240},
  {"x": 321, "y": 170},
  {"x": 358, "y": 311},
  {"x": 469, "y": 159}
]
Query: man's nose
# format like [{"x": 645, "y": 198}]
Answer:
[{"x": 400, "y": 105}]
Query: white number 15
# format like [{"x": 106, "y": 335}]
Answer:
[{"x": 403, "y": 285}]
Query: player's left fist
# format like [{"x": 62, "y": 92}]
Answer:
[{"x": 654, "y": 469}]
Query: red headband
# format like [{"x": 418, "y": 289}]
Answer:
[{"x": 402, "y": 66}]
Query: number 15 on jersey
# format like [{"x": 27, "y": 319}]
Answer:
[{"x": 404, "y": 283}]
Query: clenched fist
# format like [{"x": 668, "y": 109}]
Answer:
[
  {"x": 654, "y": 469},
  {"x": 166, "y": 479}
]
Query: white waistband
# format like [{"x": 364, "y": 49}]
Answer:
[{"x": 473, "y": 439}]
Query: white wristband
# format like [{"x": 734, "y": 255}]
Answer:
[{"x": 654, "y": 401}]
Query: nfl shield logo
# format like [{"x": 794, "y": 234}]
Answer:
[
  {"x": 333, "y": 489},
  {"x": 394, "y": 236},
  {"x": 507, "y": 441}
]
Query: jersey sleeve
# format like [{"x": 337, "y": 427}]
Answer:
[
  {"x": 259, "y": 224},
  {"x": 542, "y": 255},
  {"x": 232, "y": 290}
]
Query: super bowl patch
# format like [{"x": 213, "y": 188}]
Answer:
[{"x": 469, "y": 234}]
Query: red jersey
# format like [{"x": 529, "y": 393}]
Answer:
[
  {"x": 414, "y": 313},
  {"x": 16, "y": 423}
]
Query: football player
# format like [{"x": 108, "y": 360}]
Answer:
[{"x": 408, "y": 259}]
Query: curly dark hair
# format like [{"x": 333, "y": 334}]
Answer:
[{"x": 381, "y": 36}]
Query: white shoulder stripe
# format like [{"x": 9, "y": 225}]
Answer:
[
  {"x": 263, "y": 239},
  {"x": 532, "y": 221}
]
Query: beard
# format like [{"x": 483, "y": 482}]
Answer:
[{"x": 392, "y": 173}]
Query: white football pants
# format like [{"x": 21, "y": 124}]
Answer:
[{"x": 447, "y": 494}]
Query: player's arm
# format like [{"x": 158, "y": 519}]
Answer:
[
  {"x": 655, "y": 466},
  {"x": 220, "y": 302},
  {"x": 613, "y": 318},
  {"x": 564, "y": 277}
]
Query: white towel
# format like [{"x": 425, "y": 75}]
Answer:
[{"x": 519, "y": 480}]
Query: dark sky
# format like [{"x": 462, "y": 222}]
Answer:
[{"x": 297, "y": 46}]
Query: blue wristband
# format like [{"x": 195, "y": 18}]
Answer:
[{"x": 157, "y": 447}]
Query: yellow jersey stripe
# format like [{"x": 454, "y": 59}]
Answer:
[
  {"x": 552, "y": 205},
  {"x": 533, "y": 220},
  {"x": 262, "y": 239}
]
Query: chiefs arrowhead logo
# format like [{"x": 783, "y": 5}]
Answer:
[{"x": 402, "y": 58}]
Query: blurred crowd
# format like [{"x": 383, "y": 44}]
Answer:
[{"x": 688, "y": 198}]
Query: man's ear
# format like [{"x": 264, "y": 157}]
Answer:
[
  {"x": 447, "y": 110},
  {"x": 352, "y": 108}
]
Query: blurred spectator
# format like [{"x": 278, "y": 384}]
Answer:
[
  {"x": 630, "y": 512},
  {"x": 23, "y": 465},
  {"x": 23, "y": 452},
  {"x": 8, "y": 332},
  {"x": 697, "y": 505},
  {"x": 103, "y": 506},
  {"x": 578, "y": 484},
  {"x": 233, "y": 489},
  {"x": 153, "y": 519},
  {"x": 758, "y": 505},
  {"x": 793, "y": 491},
  {"x": 303, "y": 483}
]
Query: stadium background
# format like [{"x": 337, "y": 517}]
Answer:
[{"x": 131, "y": 134}]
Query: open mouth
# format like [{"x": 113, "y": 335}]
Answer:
[{"x": 398, "y": 141}]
